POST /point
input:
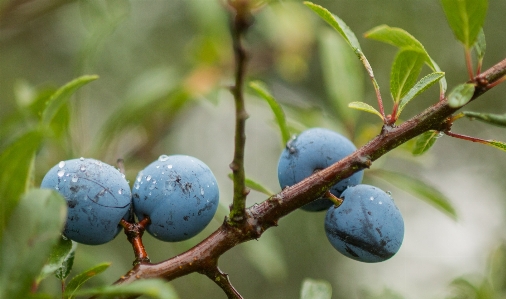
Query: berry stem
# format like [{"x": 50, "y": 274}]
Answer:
[
  {"x": 242, "y": 20},
  {"x": 134, "y": 232},
  {"x": 336, "y": 200}
]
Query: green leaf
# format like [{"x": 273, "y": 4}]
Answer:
[
  {"x": 420, "y": 189},
  {"x": 405, "y": 70},
  {"x": 77, "y": 281},
  {"x": 497, "y": 144},
  {"x": 253, "y": 185},
  {"x": 480, "y": 45},
  {"x": 403, "y": 40},
  {"x": 61, "y": 96},
  {"x": 315, "y": 289},
  {"x": 273, "y": 264},
  {"x": 34, "y": 228},
  {"x": 466, "y": 17},
  {"x": 154, "y": 288},
  {"x": 419, "y": 87},
  {"x": 60, "y": 260},
  {"x": 490, "y": 118},
  {"x": 364, "y": 107},
  {"x": 425, "y": 141},
  {"x": 342, "y": 75},
  {"x": 461, "y": 95},
  {"x": 337, "y": 24},
  {"x": 262, "y": 91},
  {"x": 16, "y": 164}
]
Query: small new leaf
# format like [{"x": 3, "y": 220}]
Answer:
[
  {"x": 480, "y": 45},
  {"x": 461, "y": 95},
  {"x": 425, "y": 142},
  {"x": 497, "y": 144},
  {"x": 77, "y": 281},
  {"x": 405, "y": 70},
  {"x": 253, "y": 185},
  {"x": 466, "y": 18},
  {"x": 315, "y": 289},
  {"x": 60, "y": 260},
  {"x": 403, "y": 40},
  {"x": 337, "y": 24},
  {"x": 154, "y": 288},
  {"x": 61, "y": 95},
  {"x": 364, "y": 107},
  {"x": 419, "y": 87},
  {"x": 262, "y": 91},
  {"x": 490, "y": 118},
  {"x": 421, "y": 189}
]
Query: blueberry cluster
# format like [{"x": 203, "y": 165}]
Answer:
[
  {"x": 178, "y": 193},
  {"x": 366, "y": 226}
]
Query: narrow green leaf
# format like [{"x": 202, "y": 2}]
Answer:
[
  {"x": 480, "y": 45},
  {"x": 465, "y": 17},
  {"x": 337, "y": 24},
  {"x": 60, "y": 97},
  {"x": 461, "y": 95},
  {"x": 77, "y": 281},
  {"x": 262, "y": 91},
  {"x": 419, "y": 87},
  {"x": 34, "y": 228},
  {"x": 424, "y": 142},
  {"x": 403, "y": 40},
  {"x": 154, "y": 288},
  {"x": 405, "y": 70},
  {"x": 315, "y": 289},
  {"x": 58, "y": 261},
  {"x": 364, "y": 107},
  {"x": 421, "y": 189},
  {"x": 497, "y": 144},
  {"x": 273, "y": 264},
  {"x": 253, "y": 185},
  {"x": 342, "y": 75},
  {"x": 16, "y": 164},
  {"x": 490, "y": 118}
]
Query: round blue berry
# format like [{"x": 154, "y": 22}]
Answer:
[
  {"x": 367, "y": 226},
  {"x": 97, "y": 195},
  {"x": 313, "y": 150},
  {"x": 179, "y": 194}
]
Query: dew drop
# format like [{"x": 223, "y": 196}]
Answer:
[
  {"x": 56, "y": 187},
  {"x": 169, "y": 166},
  {"x": 120, "y": 191},
  {"x": 163, "y": 172},
  {"x": 201, "y": 191},
  {"x": 61, "y": 172},
  {"x": 123, "y": 175},
  {"x": 152, "y": 186},
  {"x": 380, "y": 203},
  {"x": 61, "y": 164},
  {"x": 148, "y": 178},
  {"x": 139, "y": 178},
  {"x": 75, "y": 178},
  {"x": 136, "y": 186},
  {"x": 149, "y": 193},
  {"x": 81, "y": 159},
  {"x": 371, "y": 198},
  {"x": 163, "y": 158},
  {"x": 98, "y": 163},
  {"x": 83, "y": 168}
]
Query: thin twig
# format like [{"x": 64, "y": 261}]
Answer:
[
  {"x": 239, "y": 27},
  {"x": 222, "y": 280}
]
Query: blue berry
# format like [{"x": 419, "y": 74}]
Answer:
[
  {"x": 97, "y": 195},
  {"x": 313, "y": 150},
  {"x": 179, "y": 194},
  {"x": 367, "y": 226}
]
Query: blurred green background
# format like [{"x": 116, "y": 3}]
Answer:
[{"x": 164, "y": 69}]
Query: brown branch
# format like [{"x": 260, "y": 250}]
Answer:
[
  {"x": 241, "y": 23},
  {"x": 266, "y": 214}
]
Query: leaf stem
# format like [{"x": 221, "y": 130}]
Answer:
[
  {"x": 469, "y": 63},
  {"x": 370, "y": 72},
  {"x": 465, "y": 137},
  {"x": 239, "y": 26}
]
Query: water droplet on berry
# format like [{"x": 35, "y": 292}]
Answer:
[
  {"x": 61, "y": 172},
  {"x": 81, "y": 159},
  {"x": 83, "y": 168},
  {"x": 163, "y": 158},
  {"x": 75, "y": 178},
  {"x": 148, "y": 178},
  {"x": 61, "y": 164},
  {"x": 136, "y": 186},
  {"x": 169, "y": 166},
  {"x": 201, "y": 191}
]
